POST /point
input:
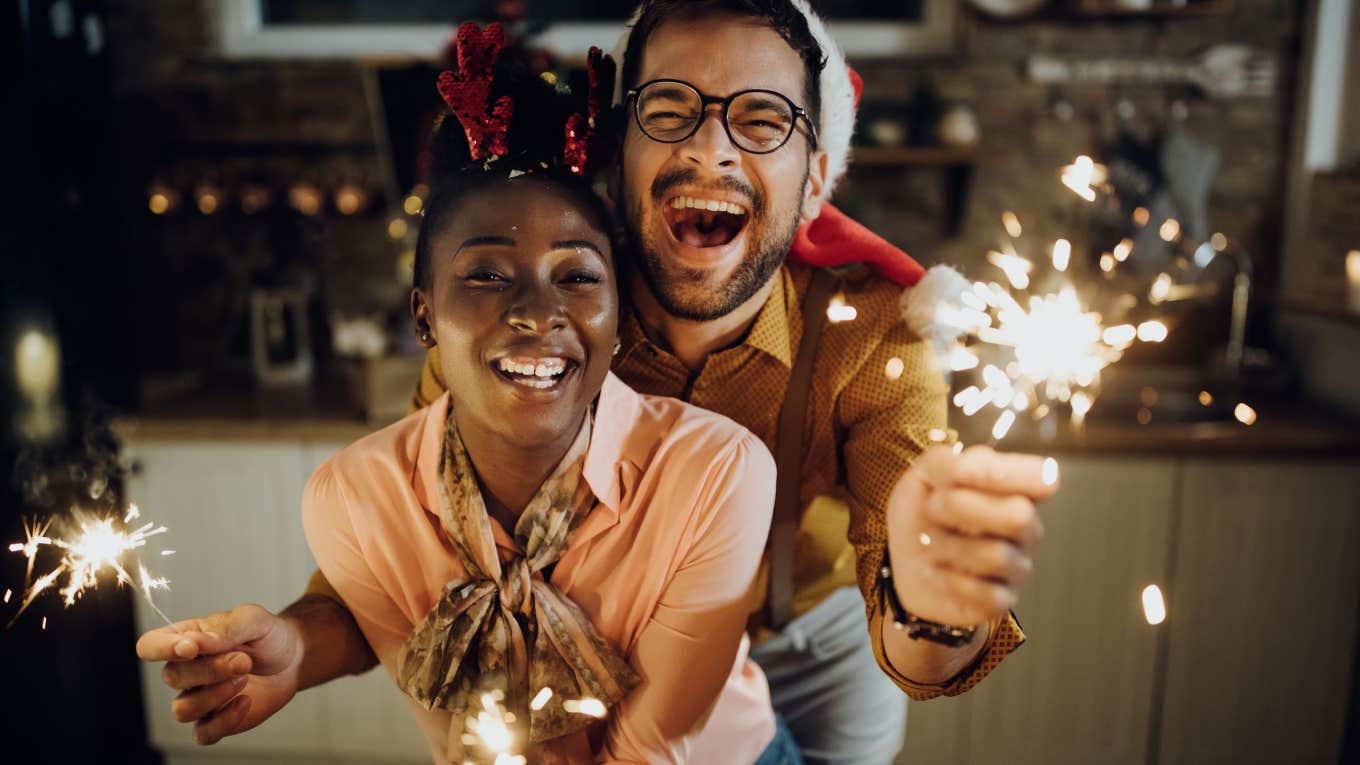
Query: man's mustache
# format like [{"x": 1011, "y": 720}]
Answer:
[{"x": 686, "y": 177}]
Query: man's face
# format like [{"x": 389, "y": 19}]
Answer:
[{"x": 703, "y": 263}]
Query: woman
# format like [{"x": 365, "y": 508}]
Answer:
[{"x": 541, "y": 542}]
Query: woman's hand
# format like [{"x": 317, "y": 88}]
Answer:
[{"x": 233, "y": 669}]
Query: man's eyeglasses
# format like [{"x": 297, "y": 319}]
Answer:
[{"x": 757, "y": 121}]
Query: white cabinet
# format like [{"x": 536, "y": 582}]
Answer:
[
  {"x": 1263, "y": 612},
  {"x": 233, "y": 512},
  {"x": 1253, "y": 664},
  {"x": 1079, "y": 690}
]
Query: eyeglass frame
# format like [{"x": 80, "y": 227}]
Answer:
[{"x": 706, "y": 101}]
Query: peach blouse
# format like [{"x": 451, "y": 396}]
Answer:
[{"x": 662, "y": 566}]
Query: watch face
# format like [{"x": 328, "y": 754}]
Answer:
[{"x": 1008, "y": 9}]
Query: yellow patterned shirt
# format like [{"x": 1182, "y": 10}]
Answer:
[{"x": 866, "y": 423}]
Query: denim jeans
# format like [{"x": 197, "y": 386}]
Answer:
[
  {"x": 826, "y": 685},
  {"x": 783, "y": 750}
]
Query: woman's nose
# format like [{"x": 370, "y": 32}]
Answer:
[{"x": 537, "y": 308}]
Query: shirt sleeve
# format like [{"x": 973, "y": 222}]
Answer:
[
  {"x": 687, "y": 651},
  {"x": 888, "y": 423},
  {"x": 429, "y": 387},
  {"x": 329, "y": 528}
]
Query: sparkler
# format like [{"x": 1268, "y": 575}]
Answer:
[
  {"x": 84, "y": 556},
  {"x": 493, "y": 731},
  {"x": 1036, "y": 351}
]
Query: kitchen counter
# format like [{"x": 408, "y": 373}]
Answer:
[{"x": 328, "y": 414}]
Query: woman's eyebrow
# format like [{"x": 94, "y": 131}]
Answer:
[
  {"x": 478, "y": 241},
  {"x": 577, "y": 244}
]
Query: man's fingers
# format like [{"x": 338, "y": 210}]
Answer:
[
  {"x": 995, "y": 560},
  {"x": 200, "y": 702},
  {"x": 972, "y": 600},
  {"x": 223, "y": 722},
  {"x": 209, "y": 670},
  {"x": 980, "y": 467},
  {"x": 976, "y": 513}
]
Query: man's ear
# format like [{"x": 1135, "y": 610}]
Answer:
[
  {"x": 422, "y": 317},
  {"x": 815, "y": 187}
]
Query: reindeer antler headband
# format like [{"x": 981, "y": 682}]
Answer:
[{"x": 468, "y": 95}]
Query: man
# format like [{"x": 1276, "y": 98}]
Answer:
[{"x": 726, "y": 154}]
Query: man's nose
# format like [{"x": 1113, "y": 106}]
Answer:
[{"x": 710, "y": 148}]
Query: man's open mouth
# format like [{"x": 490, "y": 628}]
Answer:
[{"x": 701, "y": 222}]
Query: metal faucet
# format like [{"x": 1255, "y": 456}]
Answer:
[{"x": 1234, "y": 355}]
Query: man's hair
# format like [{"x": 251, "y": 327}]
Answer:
[
  {"x": 535, "y": 141},
  {"x": 780, "y": 15}
]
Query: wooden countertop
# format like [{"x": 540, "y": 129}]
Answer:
[
  {"x": 242, "y": 413},
  {"x": 326, "y": 414},
  {"x": 1281, "y": 429}
]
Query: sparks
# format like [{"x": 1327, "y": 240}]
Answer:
[
  {"x": 587, "y": 706},
  {"x": 1154, "y": 605},
  {"x": 489, "y": 729},
  {"x": 96, "y": 548}
]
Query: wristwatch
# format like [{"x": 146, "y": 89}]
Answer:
[{"x": 916, "y": 627}]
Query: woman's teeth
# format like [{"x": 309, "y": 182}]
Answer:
[
  {"x": 712, "y": 205},
  {"x": 540, "y": 373}
]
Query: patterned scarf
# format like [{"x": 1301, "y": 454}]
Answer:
[{"x": 502, "y": 629}]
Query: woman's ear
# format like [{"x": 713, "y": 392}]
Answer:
[{"x": 422, "y": 317}]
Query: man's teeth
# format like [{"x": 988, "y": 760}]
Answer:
[
  {"x": 712, "y": 205},
  {"x": 544, "y": 368}
]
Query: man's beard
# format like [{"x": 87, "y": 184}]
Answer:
[{"x": 683, "y": 292}]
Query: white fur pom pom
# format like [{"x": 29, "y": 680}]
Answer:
[{"x": 921, "y": 304}]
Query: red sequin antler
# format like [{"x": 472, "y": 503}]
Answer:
[
  {"x": 582, "y": 128},
  {"x": 468, "y": 91}
]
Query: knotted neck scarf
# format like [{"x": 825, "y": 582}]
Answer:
[{"x": 503, "y": 628}]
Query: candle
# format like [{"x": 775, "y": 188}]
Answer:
[{"x": 1353, "y": 279}]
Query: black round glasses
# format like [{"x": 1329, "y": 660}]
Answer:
[{"x": 757, "y": 121}]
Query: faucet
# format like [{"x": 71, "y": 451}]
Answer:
[{"x": 1235, "y": 353}]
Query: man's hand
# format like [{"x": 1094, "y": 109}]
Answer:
[
  {"x": 233, "y": 669},
  {"x": 961, "y": 529}
]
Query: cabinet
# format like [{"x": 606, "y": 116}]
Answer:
[
  {"x": 1247, "y": 551},
  {"x": 1252, "y": 665},
  {"x": 233, "y": 510}
]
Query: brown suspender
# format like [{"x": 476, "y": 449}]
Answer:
[{"x": 788, "y": 455}]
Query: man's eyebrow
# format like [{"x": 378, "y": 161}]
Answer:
[{"x": 478, "y": 241}]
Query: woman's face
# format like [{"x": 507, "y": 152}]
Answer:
[{"x": 524, "y": 308}]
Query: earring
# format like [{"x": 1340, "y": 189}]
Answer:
[
  {"x": 426, "y": 338},
  {"x": 617, "y": 345}
]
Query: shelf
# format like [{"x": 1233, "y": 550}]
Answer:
[
  {"x": 919, "y": 156},
  {"x": 1159, "y": 9}
]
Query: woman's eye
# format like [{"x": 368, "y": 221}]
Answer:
[
  {"x": 483, "y": 275},
  {"x": 583, "y": 277}
]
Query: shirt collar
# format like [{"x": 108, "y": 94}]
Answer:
[{"x": 769, "y": 332}]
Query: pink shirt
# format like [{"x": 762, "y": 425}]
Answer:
[{"x": 662, "y": 566}]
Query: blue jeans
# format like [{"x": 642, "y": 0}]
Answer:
[
  {"x": 783, "y": 750},
  {"x": 825, "y": 683}
]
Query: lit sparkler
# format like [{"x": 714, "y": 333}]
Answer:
[{"x": 84, "y": 556}]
